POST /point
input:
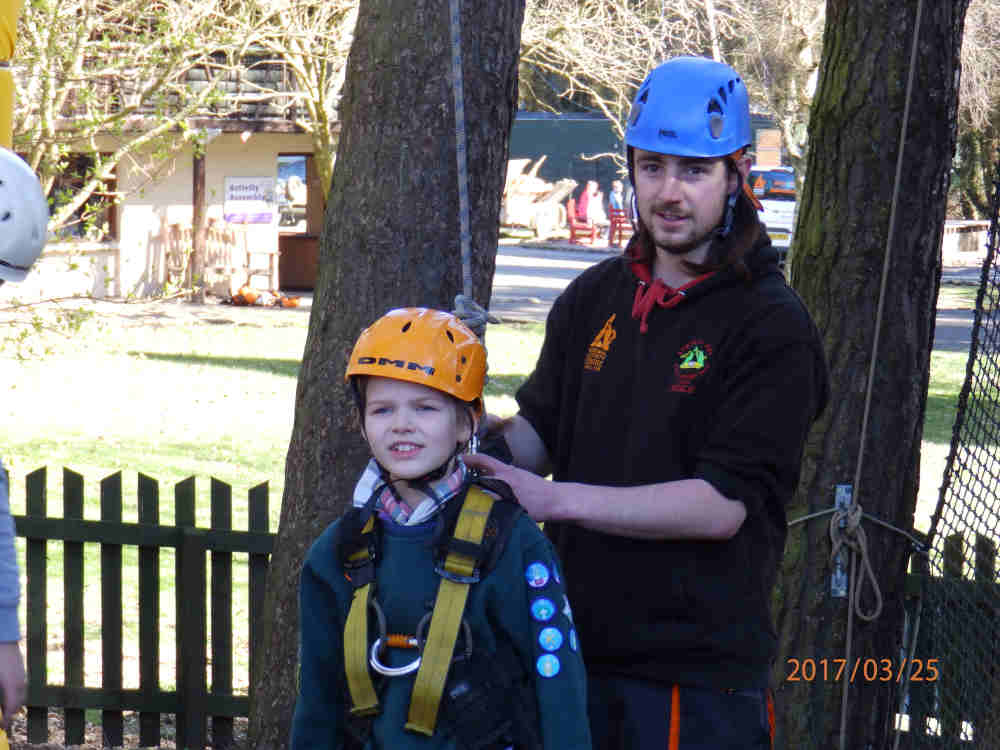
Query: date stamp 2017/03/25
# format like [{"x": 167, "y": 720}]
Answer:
[{"x": 867, "y": 669}]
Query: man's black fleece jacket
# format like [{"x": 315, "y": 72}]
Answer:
[{"x": 724, "y": 386}]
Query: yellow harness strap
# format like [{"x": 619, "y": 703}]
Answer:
[
  {"x": 364, "y": 701},
  {"x": 453, "y": 590}
]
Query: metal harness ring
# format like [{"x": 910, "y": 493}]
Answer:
[{"x": 379, "y": 667}]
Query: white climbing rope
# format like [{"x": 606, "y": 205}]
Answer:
[{"x": 460, "y": 149}]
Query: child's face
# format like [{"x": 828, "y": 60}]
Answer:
[{"x": 412, "y": 429}]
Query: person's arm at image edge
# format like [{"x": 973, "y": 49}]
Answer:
[{"x": 12, "y": 676}]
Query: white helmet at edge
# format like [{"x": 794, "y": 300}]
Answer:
[{"x": 24, "y": 217}]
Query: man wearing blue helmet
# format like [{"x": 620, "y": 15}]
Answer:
[{"x": 671, "y": 401}]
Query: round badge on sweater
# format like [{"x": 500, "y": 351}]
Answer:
[
  {"x": 550, "y": 639},
  {"x": 543, "y": 609},
  {"x": 548, "y": 665},
  {"x": 537, "y": 575}
]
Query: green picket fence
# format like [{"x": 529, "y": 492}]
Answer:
[
  {"x": 194, "y": 702},
  {"x": 954, "y": 701}
]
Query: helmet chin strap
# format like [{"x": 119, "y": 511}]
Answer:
[{"x": 723, "y": 230}]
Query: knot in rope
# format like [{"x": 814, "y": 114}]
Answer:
[
  {"x": 852, "y": 536},
  {"x": 473, "y": 315}
]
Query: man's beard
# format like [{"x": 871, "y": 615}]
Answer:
[{"x": 687, "y": 247}]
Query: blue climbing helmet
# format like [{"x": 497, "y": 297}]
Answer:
[{"x": 690, "y": 106}]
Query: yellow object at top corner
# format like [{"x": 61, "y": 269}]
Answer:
[{"x": 9, "y": 10}]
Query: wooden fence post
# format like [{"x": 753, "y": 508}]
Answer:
[
  {"x": 950, "y": 711},
  {"x": 222, "y": 613},
  {"x": 191, "y": 626},
  {"x": 37, "y": 605},
  {"x": 987, "y": 592},
  {"x": 74, "y": 721},
  {"x": 112, "y": 724},
  {"x": 257, "y": 522},
  {"x": 149, "y": 612}
]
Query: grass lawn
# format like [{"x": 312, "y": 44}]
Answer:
[
  {"x": 957, "y": 297},
  {"x": 146, "y": 389}
]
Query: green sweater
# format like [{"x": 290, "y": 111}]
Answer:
[{"x": 503, "y": 607}]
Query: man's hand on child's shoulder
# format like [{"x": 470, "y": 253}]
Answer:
[{"x": 536, "y": 495}]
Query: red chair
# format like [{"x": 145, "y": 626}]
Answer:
[
  {"x": 578, "y": 230},
  {"x": 621, "y": 228}
]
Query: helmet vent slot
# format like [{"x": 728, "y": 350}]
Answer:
[
  {"x": 407, "y": 326},
  {"x": 722, "y": 93},
  {"x": 450, "y": 337},
  {"x": 715, "y": 118},
  {"x": 633, "y": 117},
  {"x": 715, "y": 125}
]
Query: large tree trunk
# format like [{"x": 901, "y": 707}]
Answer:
[
  {"x": 391, "y": 238},
  {"x": 840, "y": 239}
]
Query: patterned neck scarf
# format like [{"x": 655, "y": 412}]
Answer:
[{"x": 389, "y": 503}]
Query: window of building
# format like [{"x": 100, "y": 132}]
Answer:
[
  {"x": 97, "y": 218},
  {"x": 300, "y": 199}
]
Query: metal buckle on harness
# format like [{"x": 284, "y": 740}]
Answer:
[
  {"x": 359, "y": 568},
  {"x": 455, "y": 577}
]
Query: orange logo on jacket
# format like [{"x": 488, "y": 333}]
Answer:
[{"x": 599, "y": 347}]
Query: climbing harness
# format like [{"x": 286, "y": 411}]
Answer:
[
  {"x": 459, "y": 570},
  {"x": 469, "y": 540}
]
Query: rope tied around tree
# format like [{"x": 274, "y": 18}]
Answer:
[
  {"x": 854, "y": 510},
  {"x": 458, "y": 92},
  {"x": 846, "y": 531},
  {"x": 470, "y": 312}
]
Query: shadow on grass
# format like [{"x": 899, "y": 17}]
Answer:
[
  {"x": 287, "y": 367},
  {"x": 939, "y": 422},
  {"x": 939, "y": 419},
  {"x": 504, "y": 385}
]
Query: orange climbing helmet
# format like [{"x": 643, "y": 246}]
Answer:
[{"x": 423, "y": 346}]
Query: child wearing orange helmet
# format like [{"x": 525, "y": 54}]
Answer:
[{"x": 433, "y": 614}]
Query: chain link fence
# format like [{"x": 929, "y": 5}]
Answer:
[{"x": 952, "y": 699}]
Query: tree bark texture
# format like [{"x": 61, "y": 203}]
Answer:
[
  {"x": 390, "y": 239},
  {"x": 842, "y": 231}
]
